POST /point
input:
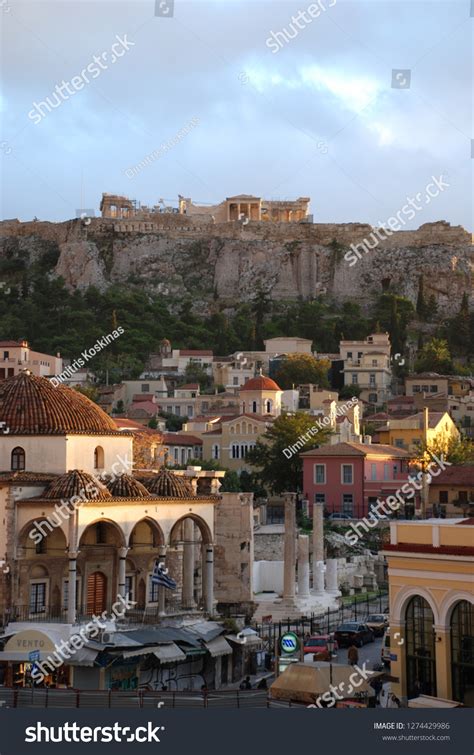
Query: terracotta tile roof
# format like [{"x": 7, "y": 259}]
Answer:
[
  {"x": 260, "y": 383},
  {"x": 181, "y": 439},
  {"x": 357, "y": 449},
  {"x": 195, "y": 353},
  {"x": 76, "y": 483},
  {"x": 126, "y": 486},
  {"x": 169, "y": 485},
  {"x": 467, "y": 522},
  {"x": 188, "y": 387},
  {"x": 27, "y": 478},
  {"x": 457, "y": 474},
  {"x": 31, "y": 405}
]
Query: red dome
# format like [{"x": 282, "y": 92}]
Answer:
[{"x": 260, "y": 383}]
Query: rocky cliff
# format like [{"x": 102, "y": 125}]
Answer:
[{"x": 229, "y": 262}]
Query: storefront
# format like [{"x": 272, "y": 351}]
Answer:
[{"x": 29, "y": 648}]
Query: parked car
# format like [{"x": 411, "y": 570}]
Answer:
[
  {"x": 385, "y": 654},
  {"x": 353, "y": 633},
  {"x": 338, "y": 515},
  {"x": 318, "y": 645},
  {"x": 377, "y": 622}
]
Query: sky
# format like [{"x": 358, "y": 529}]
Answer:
[{"x": 357, "y": 105}]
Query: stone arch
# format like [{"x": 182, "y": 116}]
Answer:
[
  {"x": 53, "y": 538},
  {"x": 157, "y": 538},
  {"x": 449, "y": 603},
  {"x": 403, "y": 598},
  {"x": 98, "y": 458},
  {"x": 111, "y": 526},
  {"x": 202, "y": 525}
]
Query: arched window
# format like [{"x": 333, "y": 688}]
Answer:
[
  {"x": 268, "y": 407},
  {"x": 254, "y": 407},
  {"x": 18, "y": 459},
  {"x": 235, "y": 450},
  {"x": 215, "y": 451},
  {"x": 462, "y": 653},
  {"x": 99, "y": 458},
  {"x": 420, "y": 648}
]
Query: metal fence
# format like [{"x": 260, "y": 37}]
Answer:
[
  {"x": 325, "y": 622},
  {"x": 70, "y": 698}
]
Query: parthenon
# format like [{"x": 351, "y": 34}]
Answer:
[{"x": 242, "y": 207}]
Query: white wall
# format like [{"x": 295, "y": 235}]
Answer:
[{"x": 268, "y": 576}]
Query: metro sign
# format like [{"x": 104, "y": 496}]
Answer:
[{"x": 289, "y": 643}]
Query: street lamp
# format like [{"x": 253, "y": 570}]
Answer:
[{"x": 330, "y": 646}]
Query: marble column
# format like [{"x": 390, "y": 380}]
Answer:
[
  {"x": 122, "y": 553},
  {"x": 331, "y": 576},
  {"x": 303, "y": 566},
  {"x": 318, "y": 577},
  {"x": 161, "y": 589},
  {"x": 209, "y": 580},
  {"x": 72, "y": 586},
  {"x": 289, "y": 547},
  {"x": 188, "y": 564},
  {"x": 318, "y": 547}
]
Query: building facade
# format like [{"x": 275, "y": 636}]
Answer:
[
  {"x": 16, "y": 356},
  {"x": 367, "y": 365}
]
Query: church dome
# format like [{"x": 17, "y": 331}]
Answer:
[
  {"x": 126, "y": 486},
  {"x": 76, "y": 483},
  {"x": 260, "y": 383},
  {"x": 168, "y": 485},
  {"x": 31, "y": 405}
]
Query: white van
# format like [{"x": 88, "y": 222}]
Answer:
[{"x": 386, "y": 647}]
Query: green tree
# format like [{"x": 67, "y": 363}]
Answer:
[
  {"x": 276, "y": 472},
  {"x": 88, "y": 390},
  {"x": 435, "y": 357},
  {"x": 348, "y": 391},
  {"x": 297, "y": 369},
  {"x": 421, "y": 305}
]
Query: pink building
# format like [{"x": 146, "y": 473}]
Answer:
[{"x": 349, "y": 477}]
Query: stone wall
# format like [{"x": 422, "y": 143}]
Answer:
[{"x": 234, "y": 548}]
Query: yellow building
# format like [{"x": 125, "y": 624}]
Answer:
[
  {"x": 431, "y": 587},
  {"x": 432, "y": 429}
]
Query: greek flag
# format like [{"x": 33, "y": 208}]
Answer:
[{"x": 160, "y": 578}]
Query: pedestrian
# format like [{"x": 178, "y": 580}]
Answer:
[
  {"x": 352, "y": 655},
  {"x": 262, "y": 683},
  {"x": 245, "y": 684}
]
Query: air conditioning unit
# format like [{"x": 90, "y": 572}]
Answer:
[{"x": 106, "y": 638}]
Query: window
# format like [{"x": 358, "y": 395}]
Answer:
[
  {"x": 399, "y": 442},
  {"x": 433, "y": 389},
  {"x": 374, "y": 363},
  {"x": 145, "y": 387},
  {"x": 462, "y": 652},
  {"x": 176, "y": 454},
  {"x": 320, "y": 498},
  {"x": 394, "y": 471},
  {"x": 268, "y": 407},
  {"x": 130, "y": 586},
  {"x": 349, "y": 354},
  {"x": 354, "y": 378},
  {"x": 235, "y": 451},
  {"x": 372, "y": 379},
  {"x": 425, "y": 388},
  {"x": 359, "y": 355},
  {"x": 177, "y": 411},
  {"x": 373, "y": 471},
  {"x": 18, "y": 459},
  {"x": 215, "y": 451},
  {"x": 6, "y": 355},
  {"x": 372, "y": 502},
  {"x": 152, "y": 591},
  {"x": 189, "y": 411},
  {"x": 347, "y": 474},
  {"x": 320, "y": 474},
  {"x": 386, "y": 471},
  {"x": 347, "y": 504},
  {"x": 254, "y": 407},
  {"x": 372, "y": 398},
  {"x": 420, "y": 648},
  {"x": 235, "y": 381},
  {"x": 38, "y": 597},
  {"x": 205, "y": 406},
  {"x": 462, "y": 496},
  {"x": 443, "y": 496},
  {"x": 66, "y": 593},
  {"x": 417, "y": 389},
  {"x": 41, "y": 546},
  {"x": 98, "y": 458},
  {"x": 100, "y": 533}
]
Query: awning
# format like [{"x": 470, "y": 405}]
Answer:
[
  {"x": 137, "y": 652},
  {"x": 41, "y": 642},
  {"x": 218, "y": 646},
  {"x": 169, "y": 653},
  {"x": 83, "y": 657}
]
